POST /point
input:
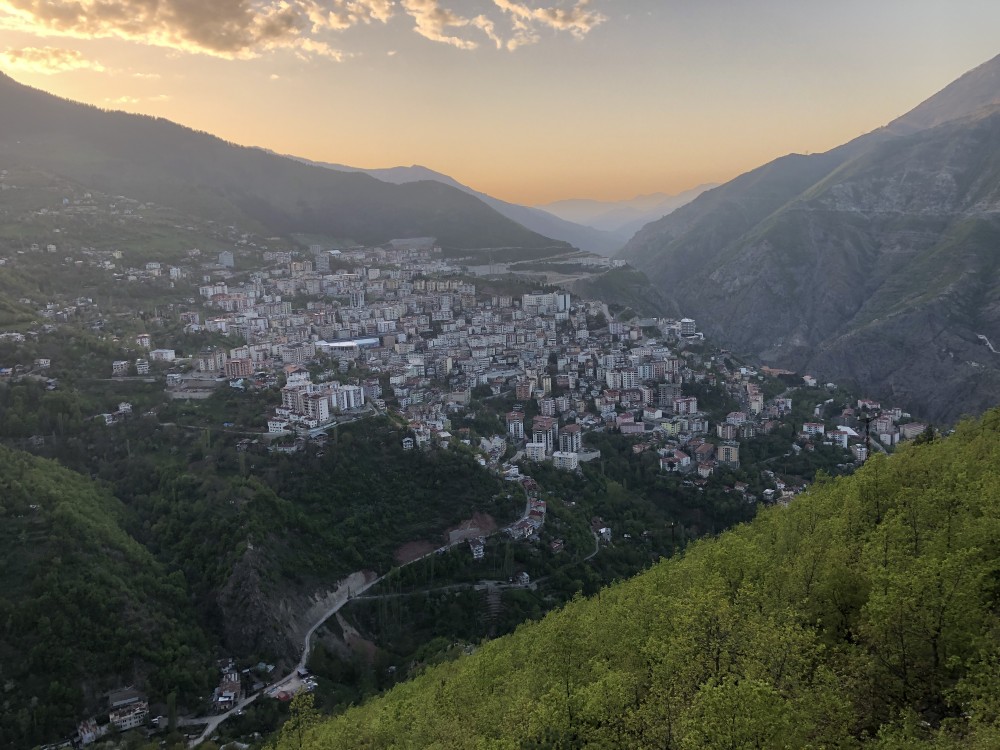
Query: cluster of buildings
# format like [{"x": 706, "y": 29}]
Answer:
[
  {"x": 311, "y": 405},
  {"x": 866, "y": 424},
  {"x": 531, "y": 523},
  {"x": 127, "y": 709}
]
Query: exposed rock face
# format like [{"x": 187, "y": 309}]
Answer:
[
  {"x": 253, "y": 621},
  {"x": 874, "y": 263}
]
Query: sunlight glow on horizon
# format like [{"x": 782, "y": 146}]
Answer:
[{"x": 528, "y": 101}]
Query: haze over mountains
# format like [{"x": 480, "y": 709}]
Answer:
[
  {"x": 588, "y": 238},
  {"x": 156, "y": 160},
  {"x": 875, "y": 262},
  {"x": 623, "y": 218}
]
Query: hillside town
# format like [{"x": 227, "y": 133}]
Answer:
[{"x": 400, "y": 327}]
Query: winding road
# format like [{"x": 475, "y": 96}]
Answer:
[
  {"x": 354, "y": 585},
  {"x": 351, "y": 587}
]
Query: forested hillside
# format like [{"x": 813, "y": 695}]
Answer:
[
  {"x": 862, "y": 614},
  {"x": 83, "y": 607}
]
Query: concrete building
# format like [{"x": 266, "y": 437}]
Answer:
[
  {"x": 729, "y": 454},
  {"x": 535, "y": 451},
  {"x": 565, "y": 460}
]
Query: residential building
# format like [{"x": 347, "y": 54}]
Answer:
[
  {"x": 130, "y": 716},
  {"x": 535, "y": 451},
  {"x": 729, "y": 454},
  {"x": 813, "y": 428},
  {"x": 238, "y": 368},
  {"x": 571, "y": 438},
  {"x": 565, "y": 460},
  {"x": 515, "y": 425}
]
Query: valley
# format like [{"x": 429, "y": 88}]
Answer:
[{"x": 301, "y": 455}]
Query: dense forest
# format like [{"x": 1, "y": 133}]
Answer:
[
  {"x": 83, "y": 607},
  {"x": 864, "y": 613},
  {"x": 155, "y": 549}
]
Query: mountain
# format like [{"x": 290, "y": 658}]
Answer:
[
  {"x": 583, "y": 237},
  {"x": 873, "y": 263},
  {"x": 158, "y": 161},
  {"x": 976, "y": 91},
  {"x": 622, "y": 219},
  {"x": 863, "y": 614}
]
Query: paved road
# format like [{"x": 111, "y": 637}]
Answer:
[
  {"x": 354, "y": 585},
  {"x": 985, "y": 340}
]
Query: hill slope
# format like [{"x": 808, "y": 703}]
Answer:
[
  {"x": 874, "y": 262},
  {"x": 156, "y": 160},
  {"x": 537, "y": 220},
  {"x": 863, "y": 614},
  {"x": 84, "y": 607}
]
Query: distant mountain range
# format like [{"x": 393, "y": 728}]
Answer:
[
  {"x": 155, "y": 160},
  {"x": 876, "y": 262},
  {"x": 586, "y": 238},
  {"x": 622, "y": 219}
]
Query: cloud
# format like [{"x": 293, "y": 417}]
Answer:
[
  {"x": 437, "y": 23},
  {"x": 433, "y": 21},
  {"x": 245, "y": 29},
  {"x": 577, "y": 19},
  {"x": 223, "y": 28},
  {"x": 47, "y": 60},
  {"x": 127, "y": 100}
]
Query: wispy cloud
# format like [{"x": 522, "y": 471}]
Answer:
[
  {"x": 434, "y": 22},
  {"x": 127, "y": 100},
  {"x": 577, "y": 19},
  {"x": 47, "y": 60},
  {"x": 244, "y": 29}
]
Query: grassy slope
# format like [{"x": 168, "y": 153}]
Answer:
[{"x": 862, "y": 610}]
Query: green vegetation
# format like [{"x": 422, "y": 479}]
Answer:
[
  {"x": 863, "y": 614},
  {"x": 626, "y": 287},
  {"x": 83, "y": 607}
]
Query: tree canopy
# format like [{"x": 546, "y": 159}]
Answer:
[{"x": 863, "y": 614}]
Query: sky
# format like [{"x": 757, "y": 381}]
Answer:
[{"x": 530, "y": 101}]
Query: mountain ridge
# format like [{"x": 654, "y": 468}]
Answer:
[
  {"x": 156, "y": 160},
  {"x": 844, "y": 262},
  {"x": 537, "y": 220}
]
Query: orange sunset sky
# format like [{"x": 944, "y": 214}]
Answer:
[{"x": 528, "y": 101}]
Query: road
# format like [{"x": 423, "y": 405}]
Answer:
[{"x": 353, "y": 586}]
